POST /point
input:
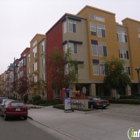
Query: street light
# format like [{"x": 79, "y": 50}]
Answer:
[{"x": 138, "y": 69}]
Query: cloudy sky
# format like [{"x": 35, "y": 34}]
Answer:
[{"x": 20, "y": 20}]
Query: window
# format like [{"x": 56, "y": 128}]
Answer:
[
  {"x": 66, "y": 69},
  {"x": 102, "y": 50},
  {"x": 73, "y": 47},
  {"x": 121, "y": 36},
  {"x": 28, "y": 58},
  {"x": 127, "y": 69},
  {"x": 91, "y": 16},
  {"x": 35, "y": 66},
  {"x": 35, "y": 52},
  {"x": 123, "y": 54},
  {"x": 100, "y": 30},
  {"x": 99, "y": 18},
  {"x": 94, "y": 47},
  {"x": 139, "y": 38},
  {"x": 64, "y": 27},
  {"x": 43, "y": 76},
  {"x": 35, "y": 78},
  {"x": 95, "y": 67},
  {"x": 43, "y": 47},
  {"x": 138, "y": 29},
  {"x": 93, "y": 28},
  {"x": 98, "y": 50},
  {"x": 72, "y": 26},
  {"x": 43, "y": 62},
  {"x": 65, "y": 47},
  {"x": 102, "y": 69}
]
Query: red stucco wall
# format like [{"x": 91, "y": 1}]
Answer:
[{"x": 54, "y": 38}]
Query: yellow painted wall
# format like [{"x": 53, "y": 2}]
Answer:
[
  {"x": 38, "y": 38},
  {"x": 110, "y": 39},
  {"x": 134, "y": 45}
]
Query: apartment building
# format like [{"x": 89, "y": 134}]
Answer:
[
  {"x": 94, "y": 36},
  {"x": 34, "y": 56}
]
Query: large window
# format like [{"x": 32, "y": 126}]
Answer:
[
  {"x": 97, "y": 30},
  {"x": 138, "y": 29},
  {"x": 72, "y": 26},
  {"x": 94, "y": 47},
  {"x": 95, "y": 17},
  {"x": 102, "y": 69},
  {"x": 127, "y": 69},
  {"x": 35, "y": 52},
  {"x": 123, "y": 54},
  {"x": 102, "y": 50},
  {"x": 100, "y": 30},
  {"x": 121, "y": 36},
  {"x": 99, "y": 18},
  {"x": 35, "y": 66},
  {"x": 73, "y": 47},
  {"x": 93, "y": 28},
  {"x": 95, "y": 67},
  {"x": 98, "y": 49}
]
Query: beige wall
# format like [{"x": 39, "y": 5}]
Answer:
[{"x": 82, "y": 49}]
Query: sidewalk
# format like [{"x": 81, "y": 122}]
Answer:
[{"x": 79, "y": 126}]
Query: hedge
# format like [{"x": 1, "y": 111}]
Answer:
[{"x": 125, "y": 101}]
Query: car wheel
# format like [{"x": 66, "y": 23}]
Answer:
[
  {"x": 89, "y": 106},
  {"x": 5, "y": 117},
  {"x": 25, "y": 118},
  {"x": 104, "y": 107}
]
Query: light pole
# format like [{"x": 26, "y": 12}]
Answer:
[{"x": 138, "y": 69}]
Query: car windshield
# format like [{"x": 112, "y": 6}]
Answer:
[{"x": 17, "y": 104}]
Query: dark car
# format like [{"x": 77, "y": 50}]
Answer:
[
  {"x": 134, "y": 96},
  {"x": 94, "y": 102},
  {"x": 14, "y": 108}
]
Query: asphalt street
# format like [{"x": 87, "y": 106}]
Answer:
[{"x": 18, "y": 129}]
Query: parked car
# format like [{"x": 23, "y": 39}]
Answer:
[
  {"x": 95, "y": 102},
  {"x": 1, "y": 98},
  {"x": 134, "y": 96},
  {"x": 2, "y": 103},
  {"x": 14, "y": 108}
]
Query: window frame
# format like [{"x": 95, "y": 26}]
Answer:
[{"x": 72, "y": 23}]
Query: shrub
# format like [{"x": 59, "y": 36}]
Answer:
[
  {"x": 36, "y": 99},
  {"x": 125, "y": 101},
  {"x": 46, "y": 102}
]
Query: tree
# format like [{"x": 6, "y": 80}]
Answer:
[
  {"x": 40, "y": 87},
  {"x": 116, "y": 76},
  {"x": 61, "y": 69}
]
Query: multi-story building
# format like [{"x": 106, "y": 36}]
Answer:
[
  {"x": 94, "y": 36},
  {"x": 35, "y": 58},
  {"x": 2, "y": 83}
]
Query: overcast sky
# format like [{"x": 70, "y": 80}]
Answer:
[{"x": 21, "y": 20}]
